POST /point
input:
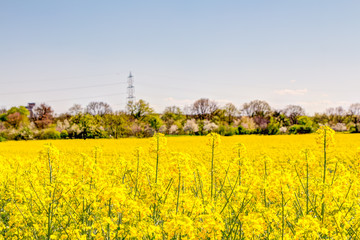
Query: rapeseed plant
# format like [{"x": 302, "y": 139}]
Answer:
[{"x": 182, "y": 188}]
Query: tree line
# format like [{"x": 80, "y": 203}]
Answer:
[{"x": 98, "y": 120}]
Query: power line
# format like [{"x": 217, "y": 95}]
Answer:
[
  {"x": 68, "y": 99},
  {"x": 62, "y": 89},
  {"x": 62, "y": 79}
]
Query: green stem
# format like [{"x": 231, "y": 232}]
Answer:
[
  {"x": 324, "y": 157},
  {"x": 109, "y": 215},
  {"x": 137, "y": 172},
  {"x": 282, "y": 215},
  {"x": 307, "y": 185},
  {"x": 50, "y": 205},
  {"x": 212, "y": 166},
  {"x": 178, "y": 195},
  {"x": 322, "y": 197},
  {"x": 157, "y": 157}
]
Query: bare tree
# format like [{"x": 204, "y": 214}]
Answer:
[
  {"x": 75, "y": 109},
  {"x": 256, "y": 108},
  {"x": 293, "y": 112},
  {"x": 172, "y": 113},
  {"x": 335, "y": 115},
  {"x": 354, "y": 111},
  {"x": 187, "y": 110},
  {"x": 98, "y": 108},
  {"x": 204, "y": 108},
  {"x": 230, "y": 112}
]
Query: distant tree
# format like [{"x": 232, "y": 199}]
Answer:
[
  {"x": 155, "y": 122},
  {"x": 209, "y": 126},
  {"x": 173, "y": 113},
  {"x": 187, "y": 110},
  {"x": 230, "y": 112},
  {"x": 139, "y": 110},
  {"x": 116, "y": 124},
  {"x": 22, "y": 110},
  {"x": 320, "y": 118},
  {"x": 219, "y": 116},
  {"x": 75, "y": 109},
  {"x": 14, "y": 119},
  {"x": 98, "y": 108},
  {"x": 43, "y": 116},
  {"x": 256, "y": 108},
  {"x": 259, "y": 111},
  {"x": 280, "y": 117},
  {"x": 86, "y": 123},
  {"x": 354, "y": 111},
  {"x": 191, "y": 126},
  {"x": 16, "y": 116},
  {"x": 336, "y": 115},
  {"x": 204, "y": 108},
  {"x": 293, "y": 112},
  {"x": 3, "y": 114}
]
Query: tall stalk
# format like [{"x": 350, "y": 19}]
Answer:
[
  {"x": 324, "y": 178},
  {"x": 307, "y": 183},
  {"x": 239, "y": 163},
  {"x": 212, "y": 165},
  {"x": 178, "y": 195},
  {"x": 324, "y": 156},
  {"x": 137, "y": 171},
  {"x": 157, "y": 156},
  {"x": 50, "y": 204},
  {"x": 282, "y": 214}
]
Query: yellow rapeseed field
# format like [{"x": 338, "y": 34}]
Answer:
[{"x": 240, "y": 187}]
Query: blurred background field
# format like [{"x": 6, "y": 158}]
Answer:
[{"x": 276, "y": 146}]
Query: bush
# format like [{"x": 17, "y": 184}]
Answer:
[
  {"x": 300, "y": 129},
  {"x": 241, "y": 130},
  {"x": 64, "y": 134},
  {"x": 50, "y": 133},
  {"x": 272, "y": 128},
  {"x": 24, "y": 134},
  {"x": 226, "y": 130},
  {"x": 2, "y": 139},
  {"x": 355, "y": 128}
]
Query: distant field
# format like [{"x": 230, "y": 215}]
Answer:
[
  {"x": 261, "y": 187},
  {"x": 255, "y": 144}
]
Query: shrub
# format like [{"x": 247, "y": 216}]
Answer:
[
  {"x": 300, "y": 129},
  {"x": 241, "y": 130},
  {"x": 64, "y": 134},
  {"x": 355, "y": 128},
  {"x": 50, "y": 133},
  {"x": 24, "y": 134},
  {"x": 226, "y": 130},
  {"x": 191, "y": 126},
  {"x": 272, "y": 128}
]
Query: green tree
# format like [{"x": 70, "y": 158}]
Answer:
[
  {"x": 16, "y": 116},
  {"x": 155, "y": 122},
  {"x": 86, "y": 123},
  {"x": 139, "y": 110},
  {"x": 116, "y": 124}
]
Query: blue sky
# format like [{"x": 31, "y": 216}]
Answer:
[{"x": 285, "y": 52}]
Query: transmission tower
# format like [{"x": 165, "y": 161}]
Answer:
[{"x": 130, "y": 90}]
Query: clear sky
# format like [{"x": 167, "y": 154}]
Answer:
[{"x": 285, "y": 52}]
